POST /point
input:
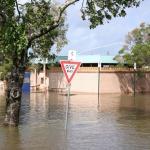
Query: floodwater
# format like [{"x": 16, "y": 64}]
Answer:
[{"x": 121, "y": 122}]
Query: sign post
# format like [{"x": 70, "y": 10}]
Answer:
[
  {"x": 69, "y": 69},
  {"x": 99, "y": 69},
  {"x": 67, "y": 107},
  {"x": 134, "y": 76}
]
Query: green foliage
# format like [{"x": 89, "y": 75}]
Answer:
[
  {"x": 30, "y": 25},
  {"x": 40, "y": 15},
  {"x": 137, "y": 47},
  {"x": 141, "y": 54},
  {"x": 100, "y": 11},
  {"x": 38, "y": 67},
  {"x": 5, "y": 67}
]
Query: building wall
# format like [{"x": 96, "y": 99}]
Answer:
[
  {"x": 109, "y": 83},
  {"x": 86, "y": 80},
  {"x": 39, "y": 81}
]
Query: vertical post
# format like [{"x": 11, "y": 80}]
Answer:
[
  {"x": 35, "y": 79},
  {"x": 99, "y": 68},
  {"x": 134, "y": 77},
  {"x": 67, "y": 107},
  {"x": 134, "y": 83},
  {"x": 44, "y": 70}
]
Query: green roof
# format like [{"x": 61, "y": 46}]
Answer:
[
  {"x": 58, "y": 58},
  {"x": 83, "y": 59},
  {"x": 42, "y": 61},
  {"x": 96, "y": 59}
]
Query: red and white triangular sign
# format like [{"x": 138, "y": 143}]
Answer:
[{"x": 69, "y": 68}]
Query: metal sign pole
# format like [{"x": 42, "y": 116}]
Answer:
[
  {"x": 67, "y": 107},
  {"x": 134, "y": 77},
  {"x": 98, "y": 83},
  {"x": 69, "y": 69},
  {"x": 99, "y": 68}
]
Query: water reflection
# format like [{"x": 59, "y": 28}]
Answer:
[
  {"x": 120, "y": 123},
  {"x": 2, "y": 108},
  {"x": 10, "y": 139}
]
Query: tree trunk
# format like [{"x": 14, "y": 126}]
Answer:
[{"x": 13, "y": 95}]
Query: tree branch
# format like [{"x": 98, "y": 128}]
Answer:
[
  {"x": 64, "y": 8},
  {"x": 18, "y": 10},
  {"x": 54, "y": 25}
]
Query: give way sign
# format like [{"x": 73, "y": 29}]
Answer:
[{"x": 69, "y": 68}]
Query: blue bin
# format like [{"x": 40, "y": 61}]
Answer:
[{"x": 26, "y": 83}]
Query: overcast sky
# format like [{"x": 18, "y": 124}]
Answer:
[{"x": 105, "y": 39}]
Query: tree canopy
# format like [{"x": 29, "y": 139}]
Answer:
[
  {"x": 41, "y": 23},
  {"x": 100, "y": 11},
  {"x": 137, "y": 47},
  {"x": 29, "y": 25}
]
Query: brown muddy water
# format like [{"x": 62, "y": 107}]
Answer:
[{"x": 120, "y": 123}]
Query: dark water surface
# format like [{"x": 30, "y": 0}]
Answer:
[{"x": 120, "y": 123}]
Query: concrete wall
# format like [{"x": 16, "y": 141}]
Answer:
[
  {"x": 109, "y": 82},
  {"x": 37, "y": 82},
  {"x": 112, "y": 80}
]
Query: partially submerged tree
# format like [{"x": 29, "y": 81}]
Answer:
[
  {"x": 5, "y": 67},
  {"x": 137, "y": 47},
  {"x": 34, "y": 25},
  {"x": 39, "y": 24}
]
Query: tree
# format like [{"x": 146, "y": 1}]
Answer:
[
  {"x": 5, "y": 67},
  {"x": 40, "y": 24},
  {"x": 30, "y": 25},
  {"x": 137, "y": 47},
  {"x": 100, "y": 11}
]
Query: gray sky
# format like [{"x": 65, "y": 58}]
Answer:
[{"x": 107, "y": 38}]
